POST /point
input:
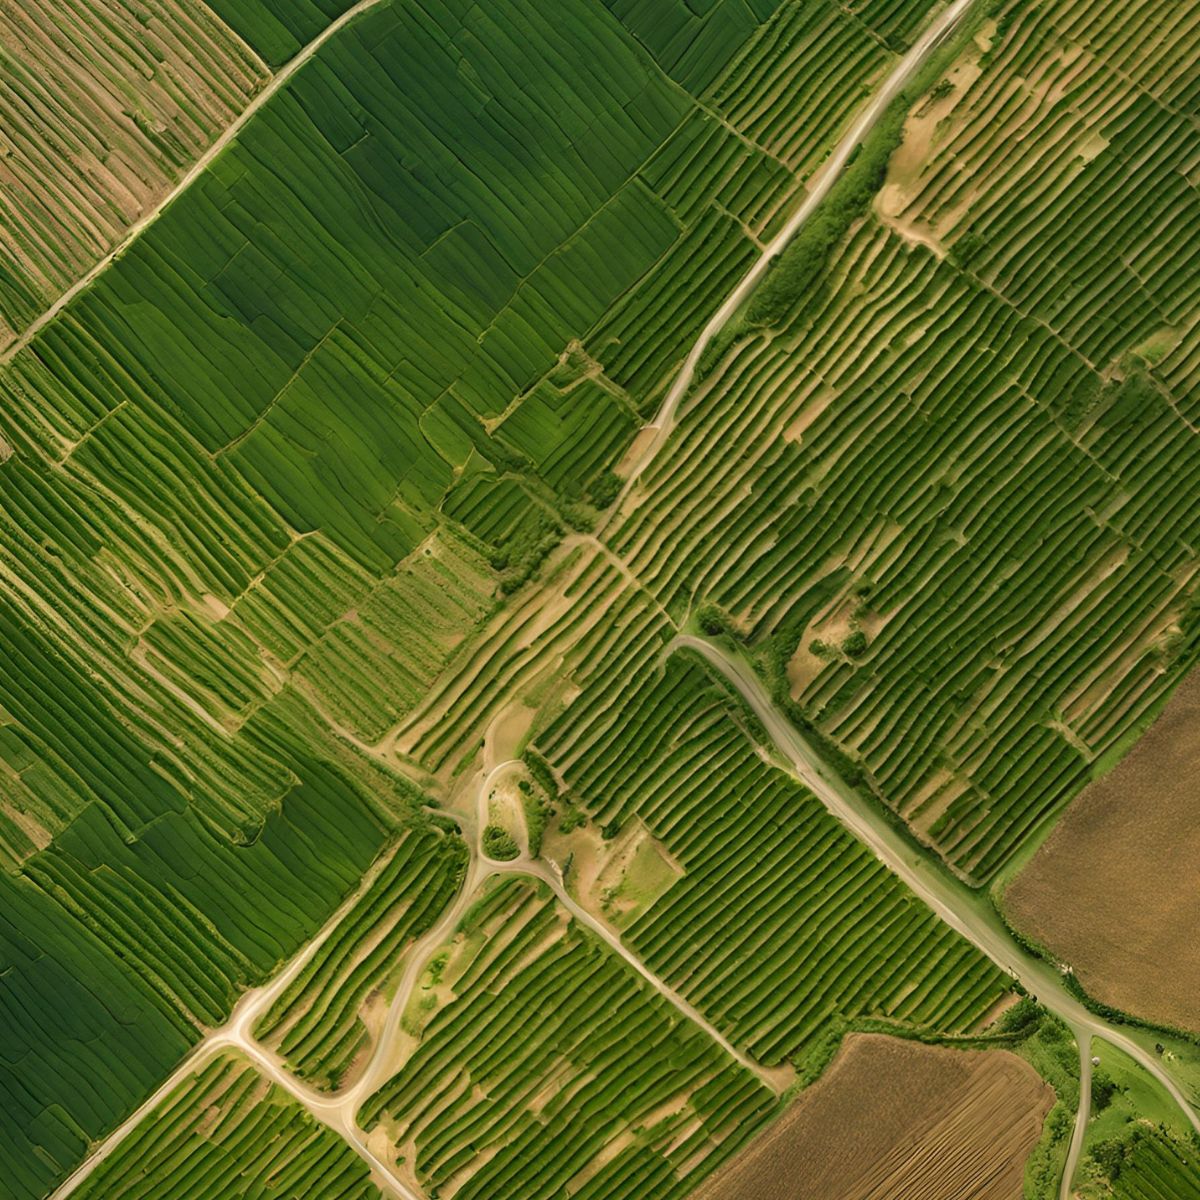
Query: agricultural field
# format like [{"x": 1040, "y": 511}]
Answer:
[
  {"x": 769, "y": 877},
  {"x": 970, "y": 642},
  {"x": 1131, "y": 833},
  {"x": 238, "y": 469},
  {"x": 609, "y": 1090},
  {"x": 896, "y": 1120},
  {"x": 319, "y": 1024},
  {"x": 103, "y": 106},
  {"x": 225, "y": 1133},
  {"x": 1137, "y": 1147},
  {"x": 315, "y": 526}
]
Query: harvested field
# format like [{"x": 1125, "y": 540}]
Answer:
[
  {"x": 102, "y": 106},
  {"x": 1113, "y": 891},
  {"x": 893, "y": 1120}
]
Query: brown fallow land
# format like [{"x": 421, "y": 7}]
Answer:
[
  {"x": 1113, "y": 893},
  {"x": 898, "y": 1120},
  {"x": 103, "y": 105}
]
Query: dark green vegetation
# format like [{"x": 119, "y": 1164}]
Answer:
[
  {"x": 805, "y": 934},
  {"x": 933, "y": 456},
  {"x": 498, "y": 843},
  {"x": 603, "y": 1091},
  {"x": 279, "y": 28},
  {"x": 226, "y": 1134},
  {"x": 1149, "y": 1164},
  {"x": 235, "y": 472},
  {"x": 316, "y": 1023}
]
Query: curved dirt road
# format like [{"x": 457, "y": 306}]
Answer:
[
  {"x": 963, "y": 911},
  {"x": 829, "y": 172}
]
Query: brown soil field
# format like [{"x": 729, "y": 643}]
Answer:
[
  {"x": 896, "y": 1120},
  {"x": 1115, "y": 890},
  {"x": 103, "y": 104}
]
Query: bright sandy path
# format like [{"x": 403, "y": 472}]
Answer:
[{"x": 826, "y": 177}]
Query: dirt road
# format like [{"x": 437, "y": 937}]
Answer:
[{"x": 197, "y": 168}]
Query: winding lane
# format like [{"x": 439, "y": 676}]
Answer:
[{"x": 957, "y": 906}]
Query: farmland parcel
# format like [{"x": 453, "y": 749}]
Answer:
[{"x": 309, "y": 523}]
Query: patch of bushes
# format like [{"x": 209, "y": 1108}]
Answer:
[
  {"x": 795, "y": 272},
  {"x": 499, "y": 844}
]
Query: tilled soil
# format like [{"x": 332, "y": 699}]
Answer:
[
  {"x": 1115, "y": 891},
  {"x": 897, "y": 1120}
]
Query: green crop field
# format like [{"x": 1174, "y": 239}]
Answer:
[
  {"x": 224, "y": 1133},
  {"x": 365, "y": 364},
  {"x": 314, "y": 522},
  {"x": 783, "y": 929},
  {"x": 1009, "y": 625},
  {"x": 604, "y": 1090},
  {"x": 316, "y": 1023}
]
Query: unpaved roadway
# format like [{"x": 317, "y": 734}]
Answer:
[{"x": 961, "y": 909}]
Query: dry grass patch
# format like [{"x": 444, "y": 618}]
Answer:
[
  {"x": 102, "y": 106},
  {"x": 1113, "y": 891},
  {"x": 897, "y": 1120}
]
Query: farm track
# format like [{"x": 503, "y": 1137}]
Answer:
[
  {"x": 950, "y": 899},
  {"x": 947, "y": 897},
  {"x": 828, "y": 174},
  {"x": 201, "y": 164}
]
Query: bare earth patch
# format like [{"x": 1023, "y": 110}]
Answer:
[
  {"x": 103, "y": 106},
  {"x": 896, "y": 1120},
  {"x": 1113, "y": 892}
]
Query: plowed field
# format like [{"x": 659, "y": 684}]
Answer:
[{"x": 896, "y": 1120}]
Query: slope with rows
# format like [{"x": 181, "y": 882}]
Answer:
[
  {"x": 783, "y": 930},
  {"x": 226, "y": 1132},
  {"x": 946, "y": 502},
  {"x": 102, "y": 106},
  {"x": 379, "y": 352},
  {"x": 542, "y": 1063}
]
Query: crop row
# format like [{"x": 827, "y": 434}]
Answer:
[
  {"x": 102, "y": 109},
  {"x": 897, "y": 463},
  {"x": 277, "y": 29},
  {"x": 223, "y": 465},
  {"x": 1155, "y": 1166},
  {"x": 586, "y": 611},
  {"x": 316, "y": 1023},
  {"x": 377, "y": 661},
  {"x": 224, "y": 1132},
  {"x": 800, "y": 82},
  {"x": 800, "y": 926},
  {"x": 1062, "y": 174},
  {"x": 604, "y": 1085}
]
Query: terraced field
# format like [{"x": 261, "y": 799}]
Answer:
[
  {"x": 228, "y": 1133},
  {"x": 378, "y": 353},
  {"x": 783, "y": 929},
  {"x": 972, "y": 639},
  {"x": 607, "y": 1091},
  {"x": 303, "y": 534},
  {"x": 102, "y": 106},
  {"x": 318, "y": 1023}
]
